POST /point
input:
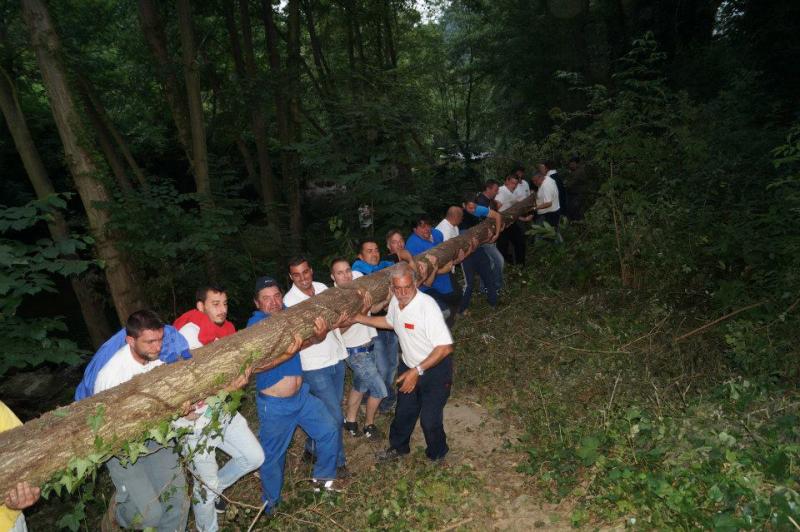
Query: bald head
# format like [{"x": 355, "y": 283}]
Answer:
[{"x": 455, "y": 215}]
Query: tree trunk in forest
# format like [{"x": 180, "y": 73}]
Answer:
[
  {"x": 103, "y": 137},
  {"x": 246, "y": 64},
  {"x": 43, "y": 446},
  {"x": 119, "y": 272},
  {"x": 195, "y": 102},
  {"x": 293, "y": 183},
  {"x": 287, "y": 123},
  {"x": 153, "y": 31},
  {"x": 90, "y": 302},
  {"x": 323, "y": 72},
  {"x": 122, "y": 145}
]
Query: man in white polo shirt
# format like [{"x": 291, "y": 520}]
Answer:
[
  {"x": 548, "y": 208},
  {"x": 449, "y": 225},
  {"x": 426, "y": 369},
  {"x": 323, "y": 362}
]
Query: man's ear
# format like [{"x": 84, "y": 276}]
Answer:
[
  {"x": 130, "y": 340},
  {"x": 199, "y": 306}
]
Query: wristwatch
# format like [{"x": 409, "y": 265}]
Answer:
[{"x": 420, "y": 371}]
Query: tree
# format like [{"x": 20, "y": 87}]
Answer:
[
  {"x": 91, "y": 305},
  {"x": 196, "y": 120},
  {"x": 95, "y": 428},
  {"x": 80, "y": 157}
]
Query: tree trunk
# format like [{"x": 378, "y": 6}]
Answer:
[
  {"x": 121, "y": 143},
  {"x": 195, "y": 102},
  {"x": 119, "y": 272},
  {"x": 103, "y": 137},
  {"x": 257, "y": 119},
  {"x": 43, "y": 446},
  {"x": 293, "y": 182},
  {"x": 90, "y": 302},
  {"x": 153, "y": 31},
  {"x": 283, "y": 111}
]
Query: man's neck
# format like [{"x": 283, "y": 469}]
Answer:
[
  {"x": 309, "y": 292},
  {"x": 137, "y": 358}
]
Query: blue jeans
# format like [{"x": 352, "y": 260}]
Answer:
[
  {"x": 478, "y": 262},
  {"x": 278, "y": 417},
  {"x": 237, "y": 441},
  {"x": 498, "y": 263},
  {"x": 327, "y": 384},
  {"x": 385, "y": 350},
  {"x": 366, "y": 378}
]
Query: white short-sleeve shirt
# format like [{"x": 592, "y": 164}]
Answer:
[
  {"x": 522, "y": 191},
  {"x": 120, "y": 368},
  {"x": 420, "y": 327},
  {"x": 447, "y": 229},
  {"x": 548, "y": 192},
  {"x": 505, "y": 197},
  {"x": 358, "y": 334},
  {"x": 329, "y": 351}
]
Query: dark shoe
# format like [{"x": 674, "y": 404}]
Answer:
[
  {"x": 221, "y": 505},
  {"x": 308, "y": 458},
  {"x": 351, "y": 427},
  {"x": 342, "y": 472},
  {"x": 371, "y": 432},
  {"x": 389, "y": 455}
]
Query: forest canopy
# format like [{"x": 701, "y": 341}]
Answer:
[{"x": 150, "y": 147}]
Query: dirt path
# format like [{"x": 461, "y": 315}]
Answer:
[{"x": 506, "y": 499}]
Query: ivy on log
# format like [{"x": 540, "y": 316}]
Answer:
[{"x": 96, "y": 427}]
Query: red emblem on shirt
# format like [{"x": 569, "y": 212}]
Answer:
[{"x": 410, "y": 326}]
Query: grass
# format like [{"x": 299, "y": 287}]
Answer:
[{"x": 587, "y": 413}]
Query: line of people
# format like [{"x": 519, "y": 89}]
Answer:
[
  {"x": 398, "y": 351},
  {"x": 303, "y": 387}
]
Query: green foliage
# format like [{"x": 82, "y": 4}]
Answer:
[
  {"x": 721, "y": 463},
  {"x": 31, "y": 269}
]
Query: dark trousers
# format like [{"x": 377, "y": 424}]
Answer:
[
  {"x": 512, "y": 244},
  {"x": 426, "y": 403},
  {"x": 478, "y": 262}
]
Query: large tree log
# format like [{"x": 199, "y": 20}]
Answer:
[{"x": 44, "y": 446}]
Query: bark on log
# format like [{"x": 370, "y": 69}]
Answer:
[{"x": 43, "y": 446}]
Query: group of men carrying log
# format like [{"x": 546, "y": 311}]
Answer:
[{"x": 305, "y": 385}]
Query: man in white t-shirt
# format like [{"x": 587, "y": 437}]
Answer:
[
  {"x": 152, "y": 491},
  {"x": 547, "y": 203},
  {"x": 513, "y": 238},
  {"x": 523, "y": 190},
  {"x": 449, "y": 225},
  {"x": 426, "y": 369},
  {"x": 323, "y": 362},
  {"x": 359, "y": 341}
]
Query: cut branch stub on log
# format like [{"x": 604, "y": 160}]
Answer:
[{"x": 44, "y": 446}]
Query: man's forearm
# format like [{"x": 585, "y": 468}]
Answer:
[
  {"x": 439, "y": 353},
  {"x": 379, "y": 322}
]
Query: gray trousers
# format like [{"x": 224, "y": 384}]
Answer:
[{"x": 151, "y": 492}]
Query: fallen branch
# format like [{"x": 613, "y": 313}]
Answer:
[
  {"x": 718, "y": 320},
  {"x": 53, "y": 442}
]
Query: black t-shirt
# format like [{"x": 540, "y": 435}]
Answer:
[{"x": 482, "y": 200}]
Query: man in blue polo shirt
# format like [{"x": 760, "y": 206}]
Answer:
[
  {"x": 385, "y": 344},
  {"x": 478, "y": 262},
  {"x": 423, "y": 238},
  {"x": 284, "y": 402}
]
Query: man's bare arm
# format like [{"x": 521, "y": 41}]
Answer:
[{"x": 379, "y": 322}]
